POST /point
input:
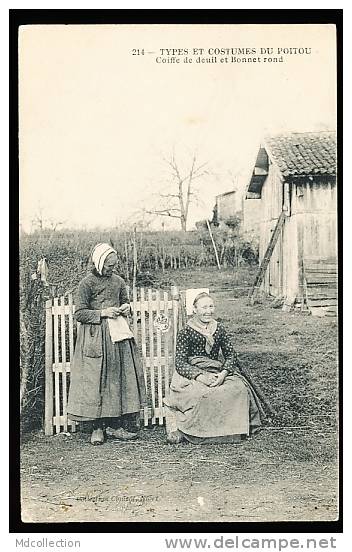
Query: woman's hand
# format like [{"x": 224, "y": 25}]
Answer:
[
  {"x": 220, "y": 378},
  {"x": 110, "y": 312},
  {"x": 125, "y": 309},
  {"x": 207, "y": 379}
]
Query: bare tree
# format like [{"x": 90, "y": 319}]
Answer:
[
  {"x": 38, "y": 221},
  {"x": 41, "y": 222},
  {"x": 176, "y": 202}
]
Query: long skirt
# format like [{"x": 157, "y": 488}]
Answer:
[
  {"x": 108, "y": 386},
  {"x": 216, "y": 414}
]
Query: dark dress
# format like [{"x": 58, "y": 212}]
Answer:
[{"x": 107, "y": 379}]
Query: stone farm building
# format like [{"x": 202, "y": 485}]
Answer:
[
  {"x": 227, "y": 205},
  {"x": 296, "y": 173}
]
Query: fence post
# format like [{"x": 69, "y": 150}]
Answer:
[
  {"x": 49, "y": 388},
  {"x": 175, "y": 296}
]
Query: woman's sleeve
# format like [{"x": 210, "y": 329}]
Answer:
[
  {"x": 183, "y": 351},
  {"x": 124, "y": 298},
  {"x": 231, "y": 360},
  {"x": 83, "y": 312}
]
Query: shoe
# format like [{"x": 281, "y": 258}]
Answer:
[
  {"x": 121, "y": 434},
  {"x": 97, "y": 437},
  {"x": 174, "y": 437}
]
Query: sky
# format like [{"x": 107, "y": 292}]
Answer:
[{"x": 97, "y": 122}]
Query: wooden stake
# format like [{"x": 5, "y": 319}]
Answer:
[
  {"x": 175, "y": 297},
  {"x": 49, "y": 387},
  {"x": 143, "y": 310},
  {"x": 56, "y": 364},
  {"x": 214, "y": 246},
  {"x": 158, "y": 351},
  {"x": 63, "y": 364}
]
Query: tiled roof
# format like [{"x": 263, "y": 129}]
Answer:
[{"x": 308, "y": 153}]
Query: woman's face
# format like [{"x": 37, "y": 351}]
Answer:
[
  {"x": 109, "y": 265},
  {"x": 204, "y": 309}
]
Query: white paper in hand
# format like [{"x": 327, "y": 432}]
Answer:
[{"x": 119, "y": 329}]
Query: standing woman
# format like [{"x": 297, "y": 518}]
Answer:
[{"x": 107, "y": 381}]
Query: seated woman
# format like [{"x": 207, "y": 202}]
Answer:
[{"x": 211, "y": 401}]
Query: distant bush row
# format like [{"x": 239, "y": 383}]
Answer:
[{"x": 68, "y": 252}]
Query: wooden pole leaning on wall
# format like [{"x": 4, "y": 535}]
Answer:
[
  {"x": 49, "y": 386},
  {"x": 214, "y": 246}
]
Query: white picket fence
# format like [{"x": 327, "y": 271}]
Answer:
[{"x": 156, "y": 318}]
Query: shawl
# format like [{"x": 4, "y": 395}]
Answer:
[
  {"x": 206, "y": 331},
  {"x": 99, "y": 254}
]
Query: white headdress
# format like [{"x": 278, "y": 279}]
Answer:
[{"x": 99, "y": 254}]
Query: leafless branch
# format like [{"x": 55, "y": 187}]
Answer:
[
  {"x": 167, "y": 210},
  {"x": 165, "y": 213}
]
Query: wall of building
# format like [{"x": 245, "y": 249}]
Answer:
[
  {"x": 290, "y": 259},
  {"x": 309, "y": 232},
  {"x": 227, "y": 205},
  {"x": 314, "y": 204},
  {"x": 252, "y": 214},
  {"x": 271, "y": 207}
]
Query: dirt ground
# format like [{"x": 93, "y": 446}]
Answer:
[{"x": 286, "y": 473}]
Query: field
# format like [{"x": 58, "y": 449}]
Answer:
[{"x": 286, "y": 473}]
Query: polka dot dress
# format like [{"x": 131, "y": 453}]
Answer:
[{"x": 191, "y": 343}]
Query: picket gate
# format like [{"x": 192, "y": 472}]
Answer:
[{"x": 156, "y": 319}]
